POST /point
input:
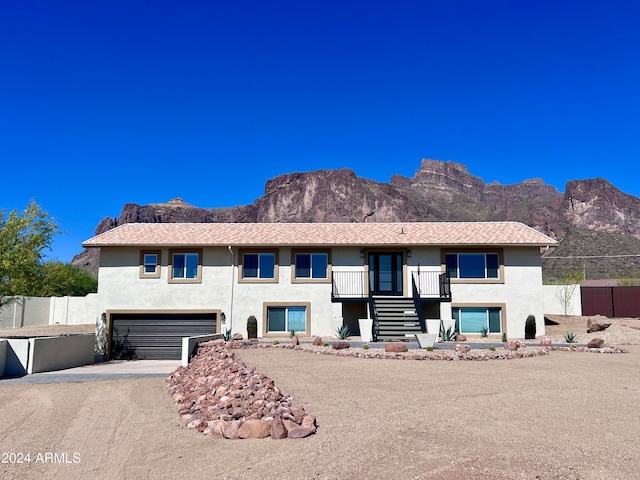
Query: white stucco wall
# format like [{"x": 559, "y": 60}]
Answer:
[
  {"x": 557, "y": 296},
  {"x": 521, "y": 292},
  {"x": 121, "y": 288}
]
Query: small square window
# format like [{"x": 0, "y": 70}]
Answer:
[{"x": 150, "y": 264}]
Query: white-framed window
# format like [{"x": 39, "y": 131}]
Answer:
[
  {"x": 186, "y": 265},
  {"x": 472, "y": 265},
  {"x": 285, "y": 318},
  {"x": 312, "y": 266},
  {"x": 150, "y": 264},
  {"x": 475, "y": 319}
]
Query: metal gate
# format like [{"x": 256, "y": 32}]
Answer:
[{"x": 611, "y": 301}]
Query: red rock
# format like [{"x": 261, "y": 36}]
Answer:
[
  {"x": 595, "y": 343},
  {"x": 255, "y": 428},
  {"x": 317, "y": 341},
  {"x": 278, "y": 431},
  {"x": 396, "y": 347},
  {"x": 309, "y": 421},
  {"x": 237, "y": 336},
  {"x": 461, "y": 338},
  {"x": 230, "y": 429},
  {"x": 463, "y": 348},
  {"x": 301, "y": 432},
  {"x": 545, "y": 341},
  {"x": 340, "y": 345},
  {"x": 295, "y": 341}
]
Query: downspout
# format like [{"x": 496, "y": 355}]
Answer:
[{"x": 233, "y": 261}]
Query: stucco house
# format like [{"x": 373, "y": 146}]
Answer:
[{"x": 159, "y": 282}]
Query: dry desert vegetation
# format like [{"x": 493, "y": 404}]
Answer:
[{"x": 565, "y": 415}]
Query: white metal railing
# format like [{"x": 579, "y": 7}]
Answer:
[{"x": 350, "y": 284}]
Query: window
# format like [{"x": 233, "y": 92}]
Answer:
[
  {"x": 310, "y": 267},
  {"x": 150, "y": 264},
  {"x": 284, "y": 318},
  {"x": 259, "y": 266},
  {"x": 473, "y": 265},
  {"x": 185, "y": 265},
  {"x": 474, "y": 319}
]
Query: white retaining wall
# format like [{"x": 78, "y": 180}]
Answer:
[
  {"x": 47, "y": 354},
  {"x": 34, "y": 311},
  {"x": 189, "y": 344}
]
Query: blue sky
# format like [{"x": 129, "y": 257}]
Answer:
[{"x": 107, "y": 103}]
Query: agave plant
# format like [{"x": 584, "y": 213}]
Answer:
[
  {"x": 448, "y": 335},
  {"x": 570, "y": 337},
  {"x": 484, "y": 332},
  {"x": 343, "y": 332}
]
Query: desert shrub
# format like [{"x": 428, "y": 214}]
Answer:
[
  {"x": 325, "y": 344},
  {"x": 292, "y": 333},
  {"x": 252, "y": 327},
  {"x": 429, "y": 349},
  {"x": 365, "y": 347},
  {"x": 530, "y": 328},
  {"x": 492, "y": 348},
  {"x": 276, "y": 342},
  {"x": 570, "y": 337},
  {"x": 504, "y": 337},
  {"x": 343, "y": 332},
  {"x": 448, "y": 335},
  {"x": 484, "y": 332},
  {"x": 227, "y": 335}
]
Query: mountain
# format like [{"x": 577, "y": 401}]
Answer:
[{"x": 591, "y": 218}]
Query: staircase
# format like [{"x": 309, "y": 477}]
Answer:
[{"x": 396, "y": 318}]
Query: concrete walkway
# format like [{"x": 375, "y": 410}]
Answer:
[{"x": 114, "y": 370}]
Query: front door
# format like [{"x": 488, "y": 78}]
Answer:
[{"x": 385, "y": 273}]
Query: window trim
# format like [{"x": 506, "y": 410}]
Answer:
[
  {"x": 499, "y": 251},
  {"x": 276, "y": 265},
  {"x": 503, "y": 314},
  {"x": 172, "y": 252},
  {"x": 265, "y": 309},
  {"x": 310, "y": 251},
  {"x": 155, "y": 274}
]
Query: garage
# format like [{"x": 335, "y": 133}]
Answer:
[{"x": 156, "y": 336}]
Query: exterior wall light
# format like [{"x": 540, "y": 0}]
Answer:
[
  {"x": 361, "y": 253},
  {"x": 408, "y": 253}
]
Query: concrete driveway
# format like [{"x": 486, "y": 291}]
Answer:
[{"x": 114, "y": 370}]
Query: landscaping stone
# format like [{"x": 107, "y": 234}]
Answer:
[
  {"x": 595, "y": 343},
  {"x": 237, "y": 336},
  {"x": 317, "y": 341},
  {"x": 545, "y": 341},
  {"x": 217, "y": 395},
  {"x": 340, "y": 345},
  {"x": 594, "y": 326},
  {"x": 461, "y": 338},
  {"x": 463, "y": 348},
  {"x": 396, "y": 347},
  {"x": 295, "y": 341}
]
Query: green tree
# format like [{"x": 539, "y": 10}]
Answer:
[
  {"x": 58, "y": 279},
  {"x": 23, "y": 238}
]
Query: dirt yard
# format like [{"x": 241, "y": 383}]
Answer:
[{"x": 567, "y": 415}]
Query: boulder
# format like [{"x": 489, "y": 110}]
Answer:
[
  {"x": 595, "y": 343},
  {"x": 463, "y": 348},
  {"x": 237, "y": 336},
  {"x": 594, "y": 326},
  {"x": 340, "y": 345},
  {"x": 396, "y": 347},
  {"x": 317, "y": 341},
  {"x": 230, "y": 429},
  {"x": 295, "y": 341},
  {"x": 461, "y": 338},
  {"x": 277, "y": 428},
  {"x": 255, "y": 428},
  {"x": 301, "y": 432},
  {"x": 545, "y": 341}
]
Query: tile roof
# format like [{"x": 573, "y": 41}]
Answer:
[{"x": 310, "y": 234}]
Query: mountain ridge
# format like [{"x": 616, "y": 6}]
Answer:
[{"x": 439, "y": 191}]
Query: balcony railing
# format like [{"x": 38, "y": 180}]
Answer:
[{"x": 354, "y": 284}]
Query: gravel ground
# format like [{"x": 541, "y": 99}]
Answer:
[{"x": 562, "y": 416}]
